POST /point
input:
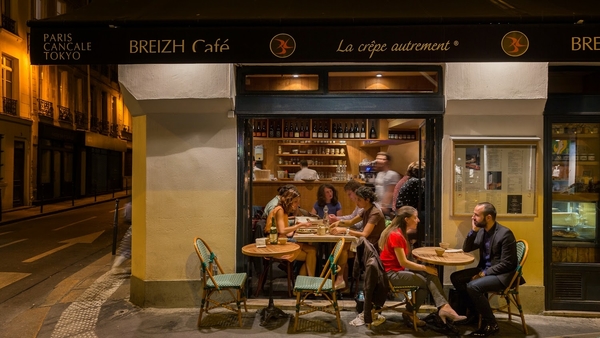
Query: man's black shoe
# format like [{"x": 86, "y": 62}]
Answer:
[
  {"x": 486, "y": 330},
  {"x": 471, "y": 320}
]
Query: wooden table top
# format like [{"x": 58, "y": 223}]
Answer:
[
  {"x": 314, "y": 238},
  {"x": 428, "y": 255},
  {"x": 271, "y": 250}
]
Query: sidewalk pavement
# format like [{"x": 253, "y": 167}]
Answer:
[
  {"x": 29, "y": 212},
  {"x": 94, "y": 302}
]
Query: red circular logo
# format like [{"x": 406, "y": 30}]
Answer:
[{"x": 283, "y": 45}]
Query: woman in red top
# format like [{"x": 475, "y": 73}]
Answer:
[{"x": 401, "y": 271}]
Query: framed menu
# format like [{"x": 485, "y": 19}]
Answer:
[{"x": 500, "y": 170}]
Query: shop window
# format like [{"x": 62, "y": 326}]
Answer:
[
  {"x": 384, "y": 81},
  {"x": 281, "y": 82},
  {"x": 61, "y": 7}
]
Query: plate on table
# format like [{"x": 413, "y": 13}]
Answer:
[{"x": 306, "y": 231}]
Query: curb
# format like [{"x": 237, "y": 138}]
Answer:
[{"x": 25, "y": 218}]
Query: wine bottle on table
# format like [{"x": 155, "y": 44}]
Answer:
[{"x": 273, "y": 232}]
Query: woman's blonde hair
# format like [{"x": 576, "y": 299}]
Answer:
[{"x": 399, "y": 222}]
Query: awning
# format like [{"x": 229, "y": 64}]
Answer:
[{"x": 291, "y": 31}]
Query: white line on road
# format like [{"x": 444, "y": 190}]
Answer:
[
  {"x": 68, "y": 225},
  {"x": 5, "y": 233},
  {"x": 15, "y": 242}
]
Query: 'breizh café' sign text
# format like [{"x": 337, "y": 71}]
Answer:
[{"x": 460, "y": 43}]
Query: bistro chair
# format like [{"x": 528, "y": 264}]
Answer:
[
  {"x": 511, "y": 293},
  {"x": 230, "y": 282},
  {"x": 322, "y": 285},
  {"x": 408, "y": 292}
]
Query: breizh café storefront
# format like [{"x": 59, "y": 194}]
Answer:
[{"x": 187, "y": 68}]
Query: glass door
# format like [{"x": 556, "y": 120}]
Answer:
[{"x": 573, "y": 216}]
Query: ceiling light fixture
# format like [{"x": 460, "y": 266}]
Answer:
[
  {"x": 379, "y": 75},
  {"x": 295, "y": 75}
]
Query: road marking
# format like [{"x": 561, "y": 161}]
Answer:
[
  {"x": 69, "y": 242},
  {"x": 112, "y": 211},
  {"x": 5, "y": 233},
  {"x": 81, "y": 317},
  {"x": 7, "y": 278},
  {"x": 15, "y": 242},
  {"x": 68, "y": 225}
]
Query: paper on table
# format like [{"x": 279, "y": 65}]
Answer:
[{"x": 453, "y": 250}]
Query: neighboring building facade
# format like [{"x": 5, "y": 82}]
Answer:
[
  {"x": 64, "y": 130},
  {"x": 192, "y": 168}
]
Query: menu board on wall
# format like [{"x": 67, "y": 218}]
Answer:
[{"x": 499, "y": 170}]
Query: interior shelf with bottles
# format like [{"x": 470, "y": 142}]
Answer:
[
  {"x": 328, "y": 157},
  {"x": 321, "y": 129}
]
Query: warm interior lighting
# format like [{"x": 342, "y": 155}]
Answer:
[
  {"x": 379, "y": 75},
  {"x": 295, "y": 75}
]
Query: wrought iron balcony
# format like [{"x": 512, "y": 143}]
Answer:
[
  {"x": 114, "y": 129},
  {"x": 9, "y": 106},
  {"x": 105, "y": 127},
  {"x": 81, "y": 120},
  {"x": 64, "y": 114},
  {"x": 45, "y": 108},
  {"x": 95, "y": 124},
  {"x": 9, "y": 24},
  {"x": 126, "y": 133}
]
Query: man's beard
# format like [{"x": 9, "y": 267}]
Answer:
[{"x": 481, "y": 224}]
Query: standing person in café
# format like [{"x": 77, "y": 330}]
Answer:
[
  {"x": 497, "y": 263},
  {"x": 374, "y": 222},
  {"x": 327, "y": 196},
  {"x": 403, "y": 272},
  {"x": 410, "y": 191},
  {"x": 288, "y": 202},
  {"x": 385, "y": 181},
  {"x": 304, "y": 173}
]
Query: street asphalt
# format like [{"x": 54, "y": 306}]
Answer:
[{"x": 94, "y": 302}]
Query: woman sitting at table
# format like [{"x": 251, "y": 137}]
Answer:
[
  {"x": 401, "y": 271},
  {"x": 288, "y": 202},
  {"x": 327, "y": 196},
  {"x": 373, "y": 219}
]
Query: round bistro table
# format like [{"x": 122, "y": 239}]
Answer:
[
  {"x": 428, "y": 255},
  {"x": 270, "y": 251}
]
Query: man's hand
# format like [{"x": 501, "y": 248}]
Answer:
[
  {"x": 332, "y": 218},
  {"x": 479, "y": 275},
  {"x": 337, "y": 231},
  {"x": 474, "y": 227}
]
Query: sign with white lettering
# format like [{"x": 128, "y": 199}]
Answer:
[{"x": 451, "y": 43}]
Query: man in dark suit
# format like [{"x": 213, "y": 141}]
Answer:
[{"x": 497, "y": 263}]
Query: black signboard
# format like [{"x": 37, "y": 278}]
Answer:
[{"x": 413, "y": 43}]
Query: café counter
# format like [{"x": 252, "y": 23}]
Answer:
[{"x": 264, "y": 190}]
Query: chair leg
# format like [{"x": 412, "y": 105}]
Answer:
[
  {"x": 204, "y": 302},
  {"x": 290, "y": 279},
  {"x": 337, "y": 310},
  {"x": 298, "y": 295},
  {"x": 520, "y": 308}
]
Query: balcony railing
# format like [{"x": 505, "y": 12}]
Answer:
[
  {"x": 114, "y": 129},
  {"x": 64, "y": 114},
  {"x": 126, "y": 133},
  {"x": 9, "y": 24},
  {"x": 46, "y": 108},
  {"x": 105, "y": 127},
  {"x": 81, "y": 120},
  {"x": 9, "y": 106},
  {"x": 95, "y": 124}
]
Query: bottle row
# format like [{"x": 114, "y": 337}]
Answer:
[{"x": 320, "y": 129}]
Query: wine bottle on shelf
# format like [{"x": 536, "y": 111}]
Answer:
[
  {"x": 278, "y": 131},
  {"x": 356, "y": 132},
  {"x": 333, "y": 130},
  {"x": 296, "y": 131},
  {"x": 320, "y": 131},
  {"x": 271, "y": 130},
  {"x": 362, "y": 131},
  {"x": 307, "y": 130},
  {"x": 326, "y": 131},
  {"x": 314, "y": 132},
  {"x": 351, "y": 131},
  {"x": 263, "y": 132},
  {"x": 285, "y": 130},
  {"x": 372, "y": 131},
  {"x": 254, "y": 129},
  {"x": 346, "y": 135}
]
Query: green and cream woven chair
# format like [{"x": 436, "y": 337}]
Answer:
[
  {"x": 320, "y": 286},
  {"x": 408, "y": 292},
  {"x": 230, "y": 282},
  {"x": 511, "y": 293}
]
